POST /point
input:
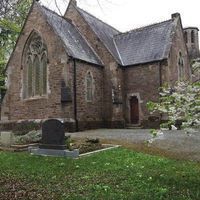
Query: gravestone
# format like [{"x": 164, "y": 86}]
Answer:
[
  {"x": 53, "y": 141},
  {"x": 53, "y": 135},
  {"x": 6, "y": 138}
]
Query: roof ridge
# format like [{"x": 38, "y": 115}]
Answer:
[
  {"x": 52, "y": 11},
  {"x": 55, "y": 13},
  {"x": 143, "y": 27},
  {"x": 98, "y": 19},
  {"x": 64, "y": 20}
]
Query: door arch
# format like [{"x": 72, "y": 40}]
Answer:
[{"x": 134, "y": 110}]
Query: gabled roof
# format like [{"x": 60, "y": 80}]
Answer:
[
  {"x": 74, "y": 43},
  {"x": 143, "y": 45},
  {"x": 103, "y": 31},
  {"x": 147, "y": 44}
]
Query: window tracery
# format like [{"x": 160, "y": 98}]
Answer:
[{"x": 35, "y": 67}]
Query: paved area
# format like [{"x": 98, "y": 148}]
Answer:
[{"x": 184, "y": 146}]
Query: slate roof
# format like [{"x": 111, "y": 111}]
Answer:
[
  {"x": 74, "y": 43},
  {"x": 143, "y": 45},
  {"x": 147, "y": 44},
  {"x": 104, "y": 32}
]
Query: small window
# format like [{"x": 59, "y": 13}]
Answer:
[
  {"x": 89, "y": 87},
  {"x": 192, "y": 36},
  {"x": 180, "y": 67},
  {"x": 186, "y": 36}
]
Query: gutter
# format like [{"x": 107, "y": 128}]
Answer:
[{"x": 75, "y": 96}]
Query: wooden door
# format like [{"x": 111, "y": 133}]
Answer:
[{"x": 134, "y": 110}]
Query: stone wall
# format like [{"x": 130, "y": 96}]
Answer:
[
  {"x": 59, "y": 68},
  {"x": 109, "y": 108},
  {"x": 178, "y": 45},
  {"x": 142, "y": 81},
  {"x": 89, "y": 113},
  {"x": 38, "y": 107},
  {"x": 111, "y": 73}
]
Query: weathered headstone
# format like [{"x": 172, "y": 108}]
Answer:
[
  {"x": 53, "y": 135},
  {"x": 53, "y": 141},
  {"x": 6, "y": 138}
]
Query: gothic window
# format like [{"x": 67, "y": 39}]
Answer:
[
  {"x": 44, "y": 73},
  {"x": 186, "y": 36},
  {"x": 89, "y": 87},
  {"x": 30, "y": 77},
  {"x": 192, "y": 36},
  {"x": 180, "y": 67},
  {"x": 35, "y": 67}
]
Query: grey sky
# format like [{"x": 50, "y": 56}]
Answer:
[{"x": 129, "y": 14}]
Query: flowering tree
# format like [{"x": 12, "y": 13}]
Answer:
[
  {"x": 196, "y": 69},
  {"x": 180, "y": 103}
]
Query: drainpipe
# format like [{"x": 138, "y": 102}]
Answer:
[
  {"x": 160, "y": 83},
  {"x": 160, "y": 74},
  {"x": 75, "y": 98}
]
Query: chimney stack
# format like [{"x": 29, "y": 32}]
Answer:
[{"x": 175, "y": 15}]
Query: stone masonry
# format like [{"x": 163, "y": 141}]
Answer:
[{"x": 115, "y": 83}]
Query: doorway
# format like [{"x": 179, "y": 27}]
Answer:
[{"x": 134, "y": 110}]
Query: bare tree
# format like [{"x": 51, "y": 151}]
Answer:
[{"x": 6, "y": 6}]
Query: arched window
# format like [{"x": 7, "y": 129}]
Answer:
[
  {"x": 30, "y": 77},
  {"x": 44, "y": 73},
  {"x": 180, "y": 67},
  {"x": 186, "y": 36},
  {"x": 35, "y": 67},
  {"x": 89, "y": 87},
  {"x": 192, "y": 36}
]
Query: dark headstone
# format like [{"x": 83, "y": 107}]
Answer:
[{"x": 53, "y": 135}]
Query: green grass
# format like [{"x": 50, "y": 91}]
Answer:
[{"x": 115, "y": 174}]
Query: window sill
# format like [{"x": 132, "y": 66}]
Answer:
[
  {"x": 35, "y": 98},
  {"x": 88, "y": 101}
]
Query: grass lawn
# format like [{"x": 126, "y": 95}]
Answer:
[{"x": 115, "y": 174}]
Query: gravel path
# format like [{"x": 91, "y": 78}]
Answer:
[{"x": 177, "y": 142}]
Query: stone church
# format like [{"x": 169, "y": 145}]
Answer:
[{"x": 80, "y": 70}]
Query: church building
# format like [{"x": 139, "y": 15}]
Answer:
[{"x": 80, "y": 70}]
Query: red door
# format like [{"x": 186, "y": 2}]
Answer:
[{"x": 134, "y": 109}]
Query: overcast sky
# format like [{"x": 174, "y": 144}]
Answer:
[{"x": 129, "y": 14}]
